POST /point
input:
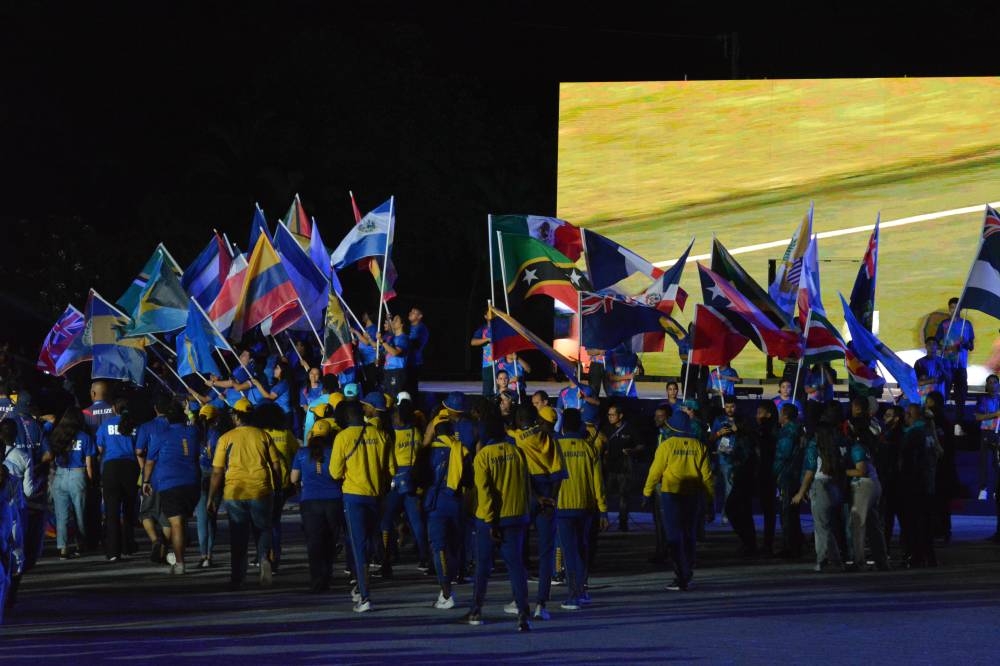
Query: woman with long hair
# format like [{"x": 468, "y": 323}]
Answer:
[
  {"x": 71, "y": 450},
  {"x": 821, "y": 482},
  {"x": 321, "y": 503},
  {"x": 119, "y": 471}
]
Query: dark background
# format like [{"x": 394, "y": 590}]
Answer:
[{"x": 139, "y": 125}]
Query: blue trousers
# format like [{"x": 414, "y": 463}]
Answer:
[
  {"x": 512, "y": 551},
  {"x": 321, "y": 520},
  {"x": 248, "y": 517},
  {"x": 444, "y": 527},
  {"x": 276, "y": 508},
  {"x": 69, "y": 494},
  {"x": 545, "y": 525},
  {"x": 680, "y": 524},
  {"x": 362, "y": 521},
  {"x": 394, "y": 502},
  {"x": 206, "y": 524},
  {"x": 574, "y": 538}
]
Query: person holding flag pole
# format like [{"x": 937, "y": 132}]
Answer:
[{"x": 385, "y": 260}]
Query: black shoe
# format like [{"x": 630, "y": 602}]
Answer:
[
  {"x": 523, "y": 624},
  {"x": 677, "y": 585},
  {"x": 473, "y": 617}
]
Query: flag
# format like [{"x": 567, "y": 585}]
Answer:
[
  {"x": 982, "y": 289},
  {"x": 267, "y": 291},
  {"x": 321, "y": 256},
  {"x": 860, "y": 376},
  {"x": 666, "y": 290},
  {"x": 114, "y": 358},
  {"x": 338, "y": 351},
  {"x": 374, "y": 262},
  {"x": 162, "y": 305},
  {"x": 203, "y": 279},
  {"x": 310, "y": 284},
  {"x": 609, "y": 321},
  {"x": 258, "y": 226},
  {"x": 726, "y": 267},
  {"x": 197, "y": 342},
  {"x": 746, "y": 317},
  {"x": 63, "y": 348},
  {"x": 810, "y": 298},
  {"x": 609, "y": 263},
  {"x": 298, "y": 223},
  {"x": 869, "y": 348},
  {"x": 130, "y": 299},
  {"x": 224, "y": 306},
  {"x": 715, "y": 340},
  {"x": 507, "y": 335},
  {"x": 785, "y": 287},
  {"x": 823, "y": 342},
  {"x": 559, "y": 234},
  {"x": 368, "y": 238},
  {"x": 863, "y": 293},
  {"x": 532, "y": 268}
]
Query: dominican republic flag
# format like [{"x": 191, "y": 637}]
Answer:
[
  {"x": 608, "y": 321},
  {"x": 785, "y": 287},
  {"x": 609, "y": 263},
  {"x": 715, "y": 340},
  {"x": 863, "y": 294},
  {"x": 203, "y": 279},
  {"x": 747, "y": 318},
  {"x": 982, "y": 290},
  {"x": 665, "y": 292}
]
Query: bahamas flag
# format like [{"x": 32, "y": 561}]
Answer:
[
  {"x": 113, "y": 358},
  {"x": 130, "y": 299},
  {"x": 507, "y": 335},
  {"x": 531, "y": 267},
  {"x": 298, "y": 223},
  {"x": 197, "y": 342},
  {"x": 162, "y": 305},
  {"x": 267, "y": 291},
  {"x": 63, "y": 346}
]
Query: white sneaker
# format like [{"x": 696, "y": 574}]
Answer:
[
  {"x": 511, "y": 608},
  {"x": 265, "y": 572},
  {"x": 205, "y": 563},
  {"x": 355, "y": 594},
  {"x": 983, "y": 495},
  {"x": 171, "y": 558},
  {"x": 540, "y": 613},
  {"x": 363, "y": 606},
  {"x": 178, "y": 569},
  {"x": 444, "y": 604}
]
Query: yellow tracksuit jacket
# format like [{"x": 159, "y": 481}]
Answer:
[
  {"x": 681, "y": 465},
  {"x": 366, "y": 465},
  {"x": 501, "y": 478}
]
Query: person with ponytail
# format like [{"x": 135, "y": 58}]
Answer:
[
  {"x": 321, "y": 503},
  {"x": 71, "y": 451},
  {"x": 119, "y": 472}
]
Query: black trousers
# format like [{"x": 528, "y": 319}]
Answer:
[
  {"x": 739, "y": 510},
  {"x": 918, "y": 531},
  {"x": 321, "y": 520},
  {"x": 765, "y": 493},
  {"x": 791, "y": 524},
  {"x": 620, "y": 484},
  {"x": 120, "y": 492}
]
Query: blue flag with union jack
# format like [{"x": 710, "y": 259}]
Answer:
[
  {"x": 982, "y": 290},
  {"x": 862, "y": 301}
]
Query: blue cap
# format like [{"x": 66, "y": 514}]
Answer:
[
  {"x": 455, "y": 401},
  {"x": 690, "y": 404},
  {"x": 374, "y": 400},
  {"x": 351, "y": 390},
  {"x": 679, "y": 422}
]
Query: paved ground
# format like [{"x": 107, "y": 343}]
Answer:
[{"x": 761, "y": 611}]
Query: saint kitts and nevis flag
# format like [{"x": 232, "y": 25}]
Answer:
[
  {"x": 507, "y": 336},
  {"x": 531, "y": 268}
]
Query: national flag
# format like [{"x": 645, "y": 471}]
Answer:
[
  {"x": 298, "y": 223},
  {"x": 63, "y": 348},
  {"x": 609, "y": 321},
  {"x": 196, "y": 344},
  {"x": 982, "y": 289},
  {"x": 532, "y": 268},
  {"x": 130, "y": 299},
  {"x": 162, "y": 305},
  {"x": 666, "y": 290},
  {"x": 861, "y": 377},
  {"x": 338, "y": 351},
  {"x": 559, "y": 234},
  {"x": 810, "y": 298},
  {"x": 204, "y": 277},
  {"x": 715, "y": 341},
  {"x": 746, "y": 318},
  {"x": 114, "y": 357},
  {"x": 785, "y": 287},
  {"x": 863, "y": 294},
  {"x": 258, "y": 226},
  {"x": 507, "y": 335},
  {"x": 374, "y": 263},
  {"x": 823, "y": 342},
  {"x": 368, "y": 238},
  {"x": 869, "y": 348},
  {"x": 310, "y": 284},
  {"x": 223, "y": 308},
  {"x": 609, "y": 263},
  {"x": 320, "y": 255},
  {"x": 725, "y": 266},
  {"x": 267, "y": 290}
]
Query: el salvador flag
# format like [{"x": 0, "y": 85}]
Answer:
[{"x": 368, "y": 238}]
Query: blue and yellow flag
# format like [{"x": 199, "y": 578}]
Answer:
[
  {"x": 114, "y": 358},
  {"x": 196, "y": 344},
  {"x": 162, "y": 305}
]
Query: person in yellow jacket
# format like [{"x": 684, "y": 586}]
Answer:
[
  {"x": 581, "y": 503},
  {"x": 443, "y": 503},
  {"x": 408, "y": 454},
  {"x": 682, "y": 468},
  {"x": 502, "y": 515},
  {"x": 362, "y": 459},
  {"x": 274, "y": 421}
]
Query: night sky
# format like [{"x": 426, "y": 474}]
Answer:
[{"x": 125, "y": 129}]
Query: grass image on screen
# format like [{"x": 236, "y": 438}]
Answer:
[{"x": 652, "y": 164}]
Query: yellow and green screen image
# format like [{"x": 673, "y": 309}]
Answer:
[{"x": 653, "y": 164}]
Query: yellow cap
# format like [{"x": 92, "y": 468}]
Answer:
[
  {"x": 208, "y": 411},
  {"x": 321, "y": 429},
  {"x": 336, "y": 399},
  {"x": 320, "y": 409},
  {"x": 243, "y": 405},
  {"x": 547, "y": 413}
]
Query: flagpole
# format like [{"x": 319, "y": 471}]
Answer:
[
  {"x": 313, "y": 328},
  {"x": 687, "y": 368},
  {"x": 493, "y": 365},
  {"x": 972, "y": 266},
  {"x": 167, "y": 366},
  {"x": 722, "y": 399},
  {"x": 159, "y": 379},
  {"x": 503, "y": 272},
  {"x": 802, "y": 360},
  {"x": 211, "y": 323},
  {"x": 164, "y": 345},
  {"x": 489, "y": 237},
  {"x": 229, "y": 369},
  {"x": 579, "y": 344},
  {"x": 381, "y": 289},
  {"x": 348, "y": 310}
]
